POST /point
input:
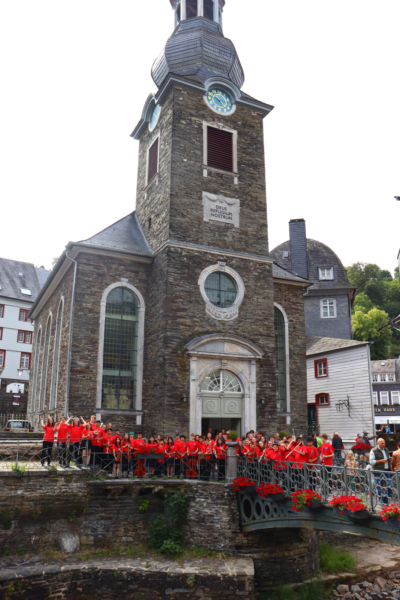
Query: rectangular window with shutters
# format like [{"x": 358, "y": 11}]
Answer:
[
  {"x": 220, "y": 149},
  {"x": 152, "y": 160}
]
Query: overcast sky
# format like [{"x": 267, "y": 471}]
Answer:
[{"x": 75, "y": 75}]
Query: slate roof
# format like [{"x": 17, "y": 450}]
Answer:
[
  {"x": 384, "y": 366},
  {"x": 125, "y": 235},
  {"x": 282, "y": 273},
  {"x": 198, "y": 48},
  {"x": 318, "y": 255},
  {"x": 322, "y": 345},
  {"x": 12, "y": 282}
]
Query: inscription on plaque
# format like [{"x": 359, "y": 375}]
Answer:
[{"x": 221, "y": 209}]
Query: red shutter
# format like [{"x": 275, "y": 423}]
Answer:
[
  {"x": 153, "y": 161},
  {"x": 219, "y": 149}
]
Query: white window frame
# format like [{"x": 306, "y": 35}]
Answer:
[
  {"x": 375, "y": 378},
  {"x": 3, "y": 358},
  {"x": 323, "y": 396},
  {"x": 140, "y": 344},
  {"x": 207, "y": 124},
  {"x": 36, "y": 369},
  {"x": 382, "y": 377},
  {"x": 153, "y": 139},
  {"x": 384, "y": 396},
  {"x": 228, "y": 313},
  {"x": 375, "y": 398},
  {"x": 334, "y": 308},
  {"x": 391, "y": 377},
  {"x": 322, "y": 273},
  {"x": 324, "y": 369},
  {"x": 397, "y": 396},
  {"x": 22, "y": 363}
]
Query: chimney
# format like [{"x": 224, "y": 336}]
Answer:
[{"x": 298, "y": 247}]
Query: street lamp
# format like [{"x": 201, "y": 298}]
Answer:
[{"x": 20, "y": 371}]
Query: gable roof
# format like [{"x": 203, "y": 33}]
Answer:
[
  {"x": 322, "y": 345},
  {"x": 281, "y": 273},
  {"x": 16, "y": 275}
]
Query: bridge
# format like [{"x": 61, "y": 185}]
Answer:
[{"x": 375, "y": 488}]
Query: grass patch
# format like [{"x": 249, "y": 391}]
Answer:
[
  {"x": 310, "y": 591},
  {"x": 333, "y": 560},
  {"x": 204, "y": 553}
]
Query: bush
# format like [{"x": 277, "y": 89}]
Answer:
[
  {"x": 333, "y": 560},
  {"x": 233, "y": 436},
  {"x": 166, "y": 533},
  {"x": 283, "y": 434}
]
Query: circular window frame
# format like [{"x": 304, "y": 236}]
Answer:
[{"x": 222, "y": 314}]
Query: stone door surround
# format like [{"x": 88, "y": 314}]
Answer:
[{"x": 230, "y": 353}]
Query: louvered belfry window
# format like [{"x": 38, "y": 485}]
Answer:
[
  {"x": 219, "y": 149},
  {"x": 153, "y": 161}
]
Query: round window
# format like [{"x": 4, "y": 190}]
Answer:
[{"x": 221, "y": 289}]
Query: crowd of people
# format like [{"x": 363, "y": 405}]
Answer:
[{"x": 89, "y": 442}]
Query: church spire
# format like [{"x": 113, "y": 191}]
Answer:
[{"x": 189, "y": 9}]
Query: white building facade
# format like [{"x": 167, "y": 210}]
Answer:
[
  {"x": 339, "y": 387},
  {"x": 20, "y": 284}
]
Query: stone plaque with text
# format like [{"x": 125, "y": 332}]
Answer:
[{"x": 221, "y": 209}]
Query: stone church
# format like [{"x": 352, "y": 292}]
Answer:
[{"x": 175, "y": 318}]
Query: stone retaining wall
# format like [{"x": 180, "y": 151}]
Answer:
[{"x": 133, "y": 579}]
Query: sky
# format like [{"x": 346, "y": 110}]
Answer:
[{"x": 75, "y": 75}]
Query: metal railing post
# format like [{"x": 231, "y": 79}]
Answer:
[
  {"x": 346, "y": 482},
  {"x": 397, "y": 483},
  {"x": 17, "y": 452},
  {"x": 324, "y": 494},
  {"x": 369, "y": 479}
]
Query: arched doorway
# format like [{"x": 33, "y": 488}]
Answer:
[{"x": 222, "y": 401}]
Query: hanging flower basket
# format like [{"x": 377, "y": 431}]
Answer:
[
  {"x": 244, "y": 484},
  {"x": 271, "y": 491},
  {"x": 391, "y": 515},
  {"x": 315, "y": 504},
  {"x": 359, "y": 514},
  {"x": 302, "y": 499}
]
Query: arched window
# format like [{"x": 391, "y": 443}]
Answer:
[
  {"x": 280, "y": 352},
  {"x": 120, "y": 353},
  {"x": 221, "y": 381},
  {"x": 45, "y": 363},
  {"x": 209, "y": 9},
  {"x": 56, "y": 356},
  {"x": 35, "y": 369},
  {"x": 191, "y": 9}
]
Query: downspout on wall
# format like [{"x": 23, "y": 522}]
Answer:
[{"x": 70, "y": 335}]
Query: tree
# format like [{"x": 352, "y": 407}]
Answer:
[
  {"x": 362, "y": 303},
  {"x": 375, "y": 290},
  {"x": 55, "y": 261},
  {"x": 360, "y": 274},
  {"x": 365, "y": 328},
  {"x": 386, "y": 275}
]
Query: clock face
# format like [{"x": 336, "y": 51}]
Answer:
[
  {"x": 219, "y": 101},
  {"x": 154, "y": 117}
]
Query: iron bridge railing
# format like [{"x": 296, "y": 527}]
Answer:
[{"x": 377, "y": 488}]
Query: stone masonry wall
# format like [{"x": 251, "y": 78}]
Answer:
[
  {"x": 290, "y": 297},
  {"x": 63, "y": 290}
]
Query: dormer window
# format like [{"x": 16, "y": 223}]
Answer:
[
  {"x": 26, "y": 292},
  {"x": 326, "y": 274},
  {"x": 191, "y": 9}
]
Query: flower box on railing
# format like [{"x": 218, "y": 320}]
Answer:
[
  {"x": 315, "y": 504},
  {"x": 303, "y": 499},
  {"x": 350, "y": 506},
  {"x": 245, "y": 485},
  {"x": 272, "y": 491},
  {"x": 357, "y": 514},
  {"x": 391, "y": 515}
]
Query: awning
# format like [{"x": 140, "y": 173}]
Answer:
[{"x": 384, "y": 420}]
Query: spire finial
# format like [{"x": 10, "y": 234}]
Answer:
[{"x": 190, "y": 9}]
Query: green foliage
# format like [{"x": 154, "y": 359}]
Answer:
[
  {"x": 166, "y": 530},
  {"x": 366, "y": 328},
  {"x": 283, "y": 434},
  {"x": 332, "y": 560},
  {"x": 20, "y": 469},
  {"x": 233, "y": 435},
  {"x": 21, "y": 551},
  {"x": 72, "y": 516},
  {"x": 36, "y": 514},
  {"x": 5, "y": 519},
  {"x": 10, "y": 589},
  {"x": 144, "y": 506},
  {"x": 310, "y": 591},
  {"x": 362, "y": 303}
]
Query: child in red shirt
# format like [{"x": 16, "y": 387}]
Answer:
[
  {"x": 48, "y": 440},
  {"x": 151, "y": 450},
  {"x": 62, "y": 429},
  {"x": 117, "y": 451}
]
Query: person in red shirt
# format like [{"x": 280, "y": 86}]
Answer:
[
  {"x": 140, "y": 447},
  {"x": 126, "y": 455},
  {"x": 151, "y": 449},
  {"x": 132, "y": 462},
  {"x": 117, "y": 451},
  {"x": 48, "y": 440},
  {"x": 86, "y": 444},
  {"x": 193, "y": 451},
  {"x": 93, "y": 422},
  {"x": 97, "y": 444},
  {"x": 177, "y": 459},
  {"x": 297, "y": 458},
  {"x": 75, "y": 437},
  {"x": 161, "y": 462},
  {"x": 220, "y": 453},
  {"x": 62, "y": 429},
  {"x": 183, "y": 450},
  {"x": 327, "y": 454},
  {"x": 312, "y": 458},
  {"x": 169, "y": 453},
  {"x": 108, "y": 457},
  {"x": 208, "y": 452}
]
